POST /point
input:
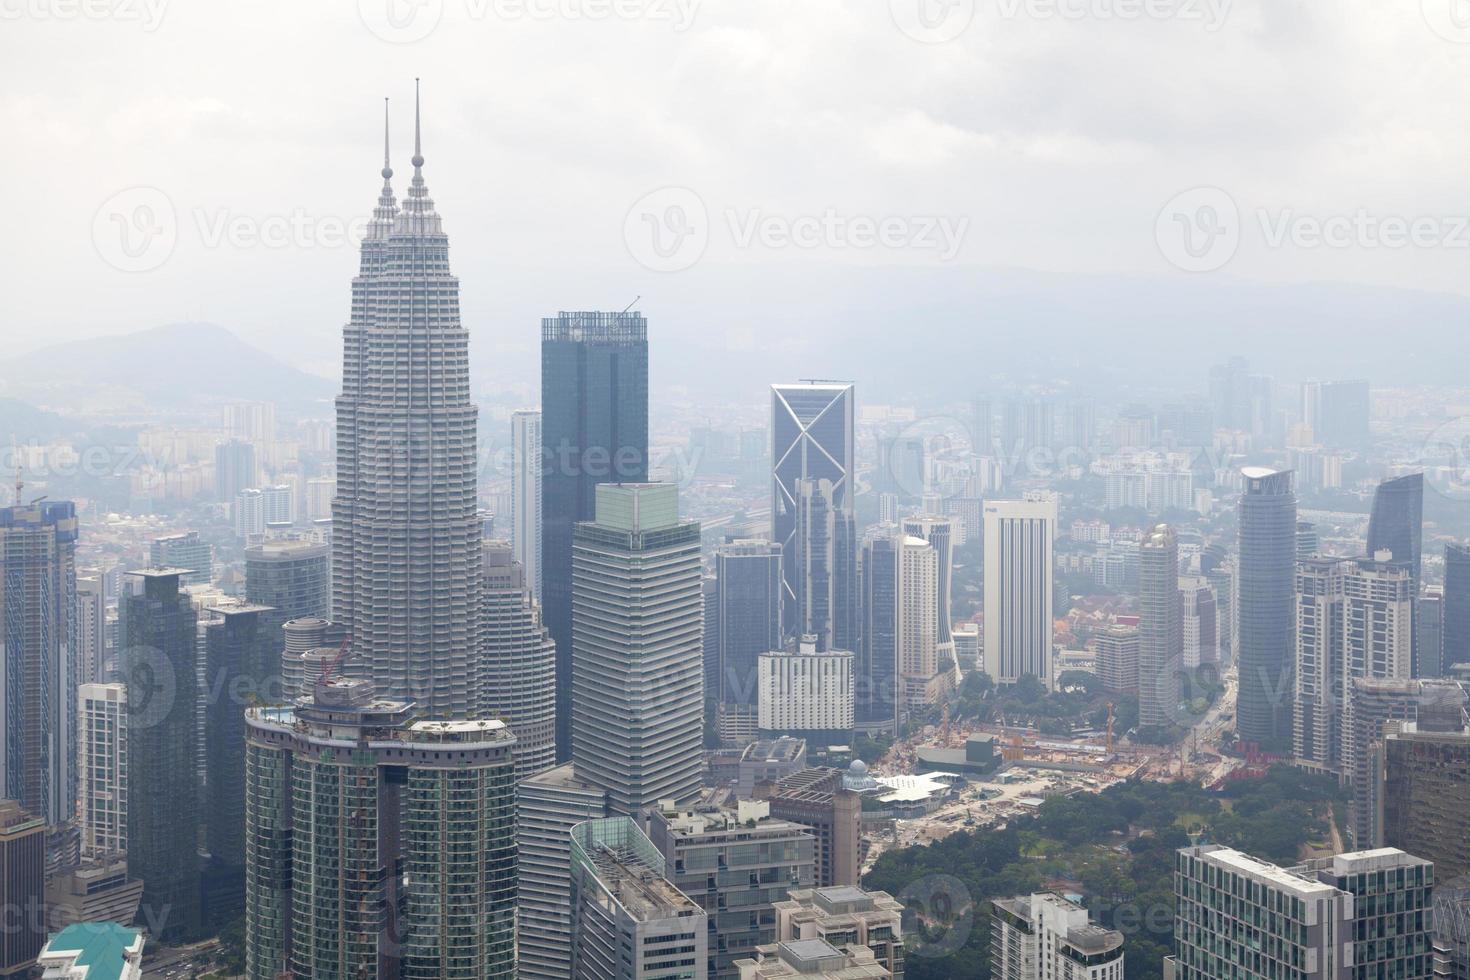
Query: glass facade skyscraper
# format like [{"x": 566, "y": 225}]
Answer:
[
  {"x": 877, "y": 667},
  {"x": 1266, "y": 596},
  {"x": 594, "y": 429}
]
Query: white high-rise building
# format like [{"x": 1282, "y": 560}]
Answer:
[
  {"x": 277, "y": 502},
  {"x": 938, "y": 531},
  {"x": 102, "y": 767},
  {"x": 91, "y": 629},
  {"x": 1160, "y": 626},
  {"x": 519, "y": 686},
  {"x": 806, "y": 690},
  {"x": 252, "y": 421},
  {"x": 916, "y": 626},
  {"x": 525, "y": 495},
  {"x": 1046, "y": 937},
  {"x": 249, "y": 514},
  {"x": 1019, "y": 536}
]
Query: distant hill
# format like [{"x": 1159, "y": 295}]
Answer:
[{"x": 182, "y": 367}]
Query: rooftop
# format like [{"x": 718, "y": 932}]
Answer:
[{"x": 101, "y": 949}]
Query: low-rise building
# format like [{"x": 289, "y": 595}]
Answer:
[
  {"x": 846, "y": 916},
  {"x": 811, "y": 959},
  {"x": 93, "y": 951}
]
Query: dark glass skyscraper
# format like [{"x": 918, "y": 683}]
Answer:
[
  {"x": 1266, "y": 597},
  {"x": 748, "y": 610},
  {"x": 877, "y": 668},
  {"x": 594, "y": 429},
  {"x": 1456, "y": 606},
  {"x": 1397, "y": 521},
  {"x": 158, "y": 640},
  {"x": 1160, "y": 626}
]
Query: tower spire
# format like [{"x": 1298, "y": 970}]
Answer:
[
  {"x": 387, "y": 210},
  {"x": 418, "y": 217},
  {"x": 418, "y": 152},
  {"x": 387, "y": 169}
]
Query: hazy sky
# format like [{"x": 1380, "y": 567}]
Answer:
[{"x": 583, "y": 152}]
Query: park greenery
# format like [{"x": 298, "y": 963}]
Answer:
[{"x": 1117, "y": 848}]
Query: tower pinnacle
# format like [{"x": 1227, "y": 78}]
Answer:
[{"x": 418, "y": 153}]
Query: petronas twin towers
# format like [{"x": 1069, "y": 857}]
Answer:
[{"x": 405, "y": 532}]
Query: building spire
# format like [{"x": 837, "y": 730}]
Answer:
[
  {"x": 387, "y": 210},
  {"x": 418, "y": 217}
]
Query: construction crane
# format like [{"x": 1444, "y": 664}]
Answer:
[{"x": 335, "y": 661}]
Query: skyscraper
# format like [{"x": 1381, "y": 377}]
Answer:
[
  {"x": 1201, "y": 632},
  {"x": 1116, "y": 649},
  {"x": 937, "y": 531},
  {"x": 405, "y": 528},
  {"x": 527, "y": 469},
  {"x": 594, "y": 429},
  {"x": 1046, "y": 935},
  {"x": 1019, "y": 536},
  {"x": 1456, "y": 606},
  {"x": 184, "y": 550},
  {"x": 395, "y": 859},
  {"x": 22, "y": 888},
  {"x": 1337, "y": 412},
  {"x": 1267, "y": 568},
  {"x": 747, "y": 624},
  {"x": 38, "y": 647},
  {"x": 1396, "y": 524},
  {"x": 1426, "y": 793},
  {"x": 291, "y": 577},
  {"x": 234, "y": 468},
  {"x": 91, "y": 629},
  {"x": 812, "y": 515},
  {"x": 877, "y": 666},
  {"x": 1318, "y": 677},
  {"x": 916, "y": 624},
  {"x": 519, "y": 686},
  {"x": 1160, "y": 627},
  {"x": 157, "y": 656},
  {"x": 102, "y": 761},
  {"x": 637, "y": 671}
]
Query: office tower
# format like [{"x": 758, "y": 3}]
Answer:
[
  {"x": 637, "y": 676},
  {"x": 806, "y": 691},
  {"x": 158, "y": 639},
  {"x": 241, "y": 662},
  {"x": 91, "y": 629},
  {"x": 937, "y": 531},
  {"x": 1045, "y": 935},
  {"x": 38, "y": 647},
  {"x": 1160, "y": 627},
  {"x": 290, "y": 576},
  {"x": 1396, "y": 524},
  {"x": 405, "y": 525},
  {"x": 94, "y": 950},
  {"x": 395, "y": 859},
  {"x": 1360, "y": 914},
  {"x": 1378, "y": 602},
  {"x": 1337, "y": 413},
  {"x": 527, "y": 468},
  {"x": 1429, "y": 634},
  {"x": 1221, "y": 576},
  {"x": 916, "y": 625},
  {"x": 519, "y": 686},
  {"x": 877, "y": 668},
  {"x": 967, "y": 646},
  {"x": 1456, "y": 606},
  {"x": 549, "y": 805},
  {"x": 1019, "y": 535},
  {"x": 102, "y": 762},
  {"x": 184, "y": 550},
  {"x": 629, "y": 921},
  {"x": 820, "y": 801},
  {"x": 234, "y": 469},
  {"x": 22, "y": 888},
  {"x": 594, "y": 429},
  {"x": 735, "y": 864},
  {"x": 1265, "y": 574},
  {"x": 1319, "y": 679},
  {"x": 1201, "y": 644},
  {"x": 812, "y": 509},
  {"x": 1426, "y": 793},
  {"x": 1306, "y": 540},
  {"x": 845, "y": 916},
  {"x": 1372, "y": 703},
  {"x": 248, "y": 514},
  {"x": 1116, "y": 650},
  {"x": 747, "y": 623}
]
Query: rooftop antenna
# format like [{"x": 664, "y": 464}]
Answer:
[
  {"x": 20, "y": 483},
  {"x": 632, "y": 304}
]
